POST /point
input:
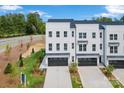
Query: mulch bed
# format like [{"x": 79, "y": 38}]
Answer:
[{"x": 7, "y": 80}]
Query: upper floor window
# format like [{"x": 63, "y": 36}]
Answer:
[
  {"x": 93, "y": 47},
  {"x": 115, "y": 36},
  {"x": 100, "y": 34},
  {"x": 72, "y": 33},
  {"x": 57, "y": 34},
  {"x": 93, "y": 35},
  {"x": 80, "y": 35},
  {"x": 84, "y": 47},
  {"x": 50, "y": 33},
  {"x": 65, "y": 33},
  {"x": 80, "y": 47},
  {"x": 72, "y": 45},
  {"x": 100, "y": 46},
  {"x": 65, "y": 46},
  {"x": 50, "y": 47},
  {"x": 111, "y": 36},
  {"x": 113, "y": 49},
  {"x": 84, "y": 35},
  {"x": 57, "y": 46}
]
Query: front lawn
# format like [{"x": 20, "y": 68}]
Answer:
[{"x": 75, "y": 78}]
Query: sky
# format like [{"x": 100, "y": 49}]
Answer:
[{"x": 77, "y": 12}]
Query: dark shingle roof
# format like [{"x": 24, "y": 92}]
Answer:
[
  {"x": 73, "y": 22},
  {"x": 60, "y": 20}
]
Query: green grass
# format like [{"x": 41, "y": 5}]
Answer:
[
  {"x": 28, "y": 68},
  {"x": 116, "y": 84},
  {"x": 76, "y": 82}
]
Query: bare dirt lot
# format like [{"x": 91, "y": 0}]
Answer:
[{"x": 7, "y": 80}]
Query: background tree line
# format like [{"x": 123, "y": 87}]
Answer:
[
  {"x": 19, "y": 24},
  {"x": 107, "y": 19}
]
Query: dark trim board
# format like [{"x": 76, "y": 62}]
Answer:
[
  {"x": 58, "y": 61},
  {"x": 87, "y": 61},
  {"x": 117, "y": 63}
]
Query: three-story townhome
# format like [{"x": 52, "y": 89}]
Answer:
[{"x": 87, "y": 43}]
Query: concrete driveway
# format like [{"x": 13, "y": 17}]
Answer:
[
  {"x": 58, "y": 77},
  {"x": 92, "y": 77},
  {"x": 119, "y": 74}
]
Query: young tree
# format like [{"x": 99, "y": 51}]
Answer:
[
  {"x": 21, "y": 61},
  {"x": 8, "y": 51}
]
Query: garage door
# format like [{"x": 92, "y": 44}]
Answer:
[
  {"x": 57, "y": 61},
  {"x": 117, "y": 63},
  {"x": 87, "y": 61}
]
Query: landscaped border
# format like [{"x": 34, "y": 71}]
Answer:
[
  {"x": 115, "y": 83},
  {"x": 75, "y": 77}
]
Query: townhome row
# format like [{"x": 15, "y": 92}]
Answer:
[{"x": 87, "y": 43}]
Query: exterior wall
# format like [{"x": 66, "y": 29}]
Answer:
[
  {"x": 88, "y": 29},
  {"x": 61, "y": 27},
  {"x": 119, "y": 30}
]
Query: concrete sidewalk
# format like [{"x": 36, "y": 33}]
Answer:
[
  {"x": 58, "y": 77},
  {"x": 92, "y": 77}
]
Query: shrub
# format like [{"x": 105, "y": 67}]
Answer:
[
  {"x": 33, "y": 51},
  {"x": 8, "y": 69},
  {"x": 21, "y": 61},
  {"x": 73, "y": 68},
  {"x": 109, "y": 69}
]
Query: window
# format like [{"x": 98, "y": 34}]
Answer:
[
  {"x": 57, "y": 34},
  {"x": 72, "y": 45},
  {"x": 115, "y": 36},
  {"x": 80, "y": 47},
  {"x": 113, "y": 49},
  {"x": 57, "y": 46},
  {"x": 84, "y": 35},
  {"x": 50, "y": 33},
  {"x": 84, "y": 47},
  {"x": 72, "y": 58},
  {"x": 80, "y": 35},
  {"x": 72, "y": 33},
  {"x": 111, "y": 36},
  {"x": 65, "y": 46},
  {"x": 65, "y": 33},
  {"x": 93, "y": 35},
  {"x": 100, "y": 46},
  {"x": 100, "y": 34},
  {"x": 50, "y": 47},
  {"x": 93, "y": 47}
]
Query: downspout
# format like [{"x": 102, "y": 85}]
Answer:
[{"x": 104, "y": 46}]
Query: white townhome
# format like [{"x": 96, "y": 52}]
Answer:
[{"x": 87, "y": 43}]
